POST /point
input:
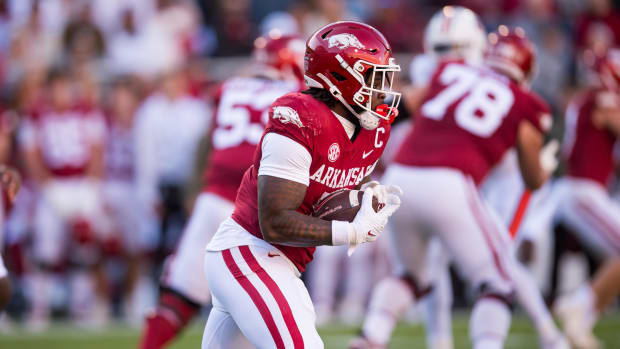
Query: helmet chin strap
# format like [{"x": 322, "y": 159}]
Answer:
[{"x": 367, "y": 120}]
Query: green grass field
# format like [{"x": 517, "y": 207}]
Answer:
[{"x": 335, "y": 336}]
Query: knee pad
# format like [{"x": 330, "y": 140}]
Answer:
[
  {"x": 488, "y": 290},
  {"x": 416, "y": 288}
]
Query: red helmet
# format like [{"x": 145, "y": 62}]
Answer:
[
  {"x": 607, "y": 68},
  {"x": 348, "y": 59},
  {"x": 285, "y": 53},
  {"x": 511, "y": 53}
]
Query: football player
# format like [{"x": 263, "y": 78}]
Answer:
[
  {"x": 581, "y": 200},
  {"x": 456, "y": 33},
  {"x": 470, "y": 117},
  {"x": 239, "y": 122},
  {"x": 326, "y": 138}
]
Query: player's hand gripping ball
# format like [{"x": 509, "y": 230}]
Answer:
[{"x": 342, "y": 205}]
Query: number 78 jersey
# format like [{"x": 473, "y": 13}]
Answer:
[{"x": 469, "y": 119}]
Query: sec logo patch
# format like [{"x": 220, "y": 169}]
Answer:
[{"x": 333, "y": 153}]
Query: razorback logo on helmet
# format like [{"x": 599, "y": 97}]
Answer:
[
  {"x": 509, "y": 51},
  {"x": 345, "y": 40},
  {"x": 286, "y": 115}
]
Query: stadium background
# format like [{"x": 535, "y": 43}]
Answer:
[{"x": 146, "y": 43}]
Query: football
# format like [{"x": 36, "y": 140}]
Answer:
[{"x": 341, "y": 205}]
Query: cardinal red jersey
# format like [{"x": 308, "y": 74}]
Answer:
[
  {"x": 337, "y": 162},
  {"x": 238, "y": 126},
  {"x": 64, "y": 138},
  {"x": 589, "y": 149},
  {"x": 468, "y": 119}
]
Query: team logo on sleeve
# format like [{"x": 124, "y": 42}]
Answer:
[
  {"x": 286, "y": 115},
  {"x": 344, "y": 40},
  {"x": 333, "y": 153}
]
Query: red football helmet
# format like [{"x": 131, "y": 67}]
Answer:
[
  {"x": 511, "y": 53},
  {"x": 353, "y": 61},
  {"x": 283, "y": 53}
]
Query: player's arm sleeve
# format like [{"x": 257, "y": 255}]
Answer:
[
  {"x": 539, "y": 115},
  {"x": 284, "y": 158}
]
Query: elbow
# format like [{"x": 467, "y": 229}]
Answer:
[
  {"x": 270, "y": 234},
  {"x": 535, "y": 182}
]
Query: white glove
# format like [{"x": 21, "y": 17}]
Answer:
[
  {"x": 367, "y": 224},
  {"x": 548, "y": 160},
  {"x": 382, "y": 191}
]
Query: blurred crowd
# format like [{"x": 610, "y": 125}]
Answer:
[{"x": 104, "y": 106}]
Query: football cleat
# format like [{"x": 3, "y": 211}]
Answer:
[
  {"x": 577, "y": 321},
  {"x": 559, "y": 342},
  {"x": 360, "y": 342}
]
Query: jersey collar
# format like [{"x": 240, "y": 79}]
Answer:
[{"x": 348, "y": 126}]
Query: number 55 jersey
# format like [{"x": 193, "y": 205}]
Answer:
[
  {"x": 238, "y": 125},
  {"x": 469, "y": 119}
]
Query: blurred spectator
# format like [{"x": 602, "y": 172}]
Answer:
[
  {"x": 52, "y": 14},
  {"x": 119, "y": 190},
  {"x": 170, "y": 124},
  {"x": 5, "y": 26},
  {"x": 62, "y": 141},
  {"x": 599, "y": 27},
  {"x": 82, "y": 40},
  {"x": 233, "y": 27},
  {"x": 317, "y": 13},
  {"x": 108, "y": 14},
  {"x": 33, "y": 47},
  {"x": 550, "y": 34},
  {"x": 279, "y": 20},
  {"x": 395, "y": 17},
  {"x": 161, "y": 44},
  {"x": 126, "y": 53}
]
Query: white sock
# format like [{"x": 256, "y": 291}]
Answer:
[
  {"x": 438, "y": 313},
  {"x": 586, "y": 298},
  {"x": 389, "y": 301},
  {"x": 531, "y": 300},
  {"x": 489, "y": 324}
]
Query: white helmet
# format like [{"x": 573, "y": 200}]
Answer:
[{"x": 455, "y": 31}]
